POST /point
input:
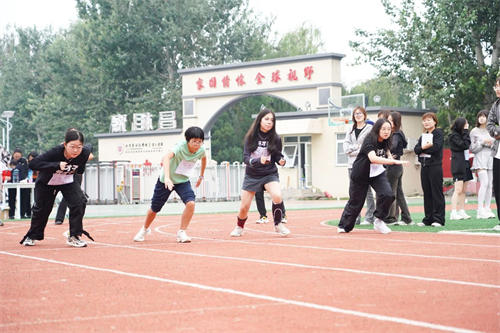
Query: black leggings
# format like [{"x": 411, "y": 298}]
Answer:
[{"x": 44, "y": 202}]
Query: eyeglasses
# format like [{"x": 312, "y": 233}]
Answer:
[
  {"x": 358, "y": 114},
  {"x": 72, "y": 147},
  {"x": 496, "y": 87}
]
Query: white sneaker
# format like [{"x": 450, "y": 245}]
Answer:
[
  {"x": 281, "y": 229},
  {"x": 421, "y": 224},
  {"x": 28, "y": 242},
  {"x": 141, "y": 235},
  {"x": 462, "y": 213},
  {"x": 436, "y": 224},
  {"x": 497, "y": 227},
  {"x": 481, "y": 214},
  {"x": 262, "y": 220},
  {"x": 381, "y": 227},
  {"x": 182, "y": 237},
  {"x": 454, "y": 215},
  {"x": 76, "y": 241},
  {"x": 340, "y": 230},
  {"x": 237, "y": 231},
  {"x": 489, "y": 213}
]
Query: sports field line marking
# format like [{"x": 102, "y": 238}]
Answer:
[
  {"x": 139, "y": 314},
  {"x": 327, "y": 268},
  {"x": 471, "y": 232},
  {"x": 158, "y": 229},
  {"x": 309, "y": 305}
]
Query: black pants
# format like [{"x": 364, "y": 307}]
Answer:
[
  {"x": 63, "y": 205},
  {"x": 496, "y": 183},
  {"x": 25, "y": 204},
  {"x": 357, "y": 196},
  {"x": 395, "y": 175},
  {"x": 431, "y": 178},
  {"x": 44, "y": 202}
]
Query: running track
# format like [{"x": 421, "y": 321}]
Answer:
[{"x": 314, "y": 280}]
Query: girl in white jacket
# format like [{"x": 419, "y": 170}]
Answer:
[
  {"x": 353, "y": 141},
  {"x": 481, "y": 142}
]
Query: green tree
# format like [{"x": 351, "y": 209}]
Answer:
[
  {"x": 23, "y": 83},
  {"x": 390, "y": 90},
  {"x": 447, "y": 51}
]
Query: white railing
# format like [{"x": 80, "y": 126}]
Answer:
[{"x": 124, "y": 182}]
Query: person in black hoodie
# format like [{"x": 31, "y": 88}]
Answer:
[
  {"x": 368, "y": 170},
  {"x": 57, "y": 168},
  {"x": 395, "y": 174},
  {"x": 430, "y": 156},
  {"x": 460, "y": 168},
  {"x": 261, "y": 152}
]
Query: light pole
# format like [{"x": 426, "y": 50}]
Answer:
[{"x": 7, "y": 115}]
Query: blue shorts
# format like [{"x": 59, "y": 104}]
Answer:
[{"x": 161, "y": 194}]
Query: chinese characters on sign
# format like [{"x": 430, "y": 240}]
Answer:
[
  {"x": 274, "y": 77},
  {"x": 143, "y": 122}
]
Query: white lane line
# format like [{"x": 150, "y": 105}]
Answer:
[
  {"x": 140, "y": 314},
  {"x": 327, "y": 268},
  {"x": 158, "y": 229},
  {"x": 309, "y": 305}
]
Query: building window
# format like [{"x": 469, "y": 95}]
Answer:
[
  {"x": 323, "y": 96},
  {"x": 290, "y": 154},
  {"x": 188, "y": 107},
  {"x": 341, "y": 156},
  {"x": 290, "y": 139}
]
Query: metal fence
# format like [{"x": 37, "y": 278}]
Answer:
[{"x": 125, "y": 182}]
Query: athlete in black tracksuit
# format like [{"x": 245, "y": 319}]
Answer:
[{"x": 57, "y": 168}]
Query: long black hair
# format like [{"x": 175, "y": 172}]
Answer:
[
  {"x": 396, "y": 120},
  {"x": 458, "y": 125},
  {"x": 374, "y": 133},
  {"x": 252, "y": 136}
]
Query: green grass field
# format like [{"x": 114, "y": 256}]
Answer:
[{"x": 470, "y": 225}]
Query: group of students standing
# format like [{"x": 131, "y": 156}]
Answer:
[
  {"x": 367, "y": 145},
  {"x": 374, "y": 156}
]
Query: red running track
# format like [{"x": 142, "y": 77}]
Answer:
[{"x": 314, "y": 280}]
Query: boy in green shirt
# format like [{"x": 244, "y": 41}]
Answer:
[{"x": 174, "y": 176}]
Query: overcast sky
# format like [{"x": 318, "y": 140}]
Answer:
[{"x": 336, "y": 19}]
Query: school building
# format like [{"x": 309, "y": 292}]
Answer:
[{"x": 312, "y": 136}]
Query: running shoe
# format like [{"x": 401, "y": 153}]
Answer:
[
  {"x": 182, "y": 237},
  {"x": 262, "y": 220},
  {"x": 437, "y": 224},
  {"x": 281, "y": 229},
  {"x": 454, "y": 215},
  {"x": 380, "y": 226},
  {"x": 340, "y": 230},
  {"x": 76, "y": 241},
  {"x": 28, "y": 242},
  {"x": 237, "y": 231},
  {"x": 497, "y": 227},
  {"x": 141, "y": 235}
]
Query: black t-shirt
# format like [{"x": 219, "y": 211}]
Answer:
[
  {"x": 252, "y": 158},
  {"x": 361, "y": 166},
  {"x": 357, "y": 131},
  {"x": 48, "y": 164}
]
